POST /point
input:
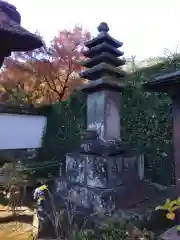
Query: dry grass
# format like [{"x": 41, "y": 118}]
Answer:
[{"x": 16, "y": 228}]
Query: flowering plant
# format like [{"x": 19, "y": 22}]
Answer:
[
  {"x": 39, "y": 193},
  {"x": 170, "y": 207}
]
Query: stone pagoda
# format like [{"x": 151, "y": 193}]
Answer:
[
  {"x": 103, "y": 100},
  {"x": 103, "y": 172}
]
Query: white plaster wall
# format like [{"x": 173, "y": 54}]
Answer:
[{"x": 21, "y": 131}]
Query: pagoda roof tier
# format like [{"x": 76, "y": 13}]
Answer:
[
  {"x": 103, "y": 47},
  {"x": 105, "y": 83},
  {"x": 100, "y": 70},
  {"x": 103, "y": 57},
  {"x": 103, "y": 37}
]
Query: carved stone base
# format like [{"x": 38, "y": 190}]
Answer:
[
  {"x": 102, "y": 200},
  {"x": 102, "y": 174}
]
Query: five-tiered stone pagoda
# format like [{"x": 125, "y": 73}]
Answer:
[{"x": 103, "y": 172}]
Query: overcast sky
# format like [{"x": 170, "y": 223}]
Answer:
[{"x": 146, "y": 27}]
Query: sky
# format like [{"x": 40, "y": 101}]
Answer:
[{"x": 146, "y": 27}]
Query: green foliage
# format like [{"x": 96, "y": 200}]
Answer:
[
  {"x": 79, "y": 235},
  {"x": 14, "y": 177},
  {"x": 14, "y": 173},
  {"x": 65, "y": 122},
  {"x": 171, "y": 207},
  {"x": 146, "y": 122},
  {"x": 123, "y": 229},
  {"x": 147, "y": 125}
]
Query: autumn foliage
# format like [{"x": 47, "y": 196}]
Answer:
[{"x": 45, "y": 75}]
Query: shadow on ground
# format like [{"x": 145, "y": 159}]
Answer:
[{"x": 17, "y": 218}]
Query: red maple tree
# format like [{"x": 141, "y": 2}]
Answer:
[{"x": 46, "y": 75}]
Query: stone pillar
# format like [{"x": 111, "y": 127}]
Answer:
[
  {"x": 105, "y": 76},
  {"x": 103, "y": 113}
]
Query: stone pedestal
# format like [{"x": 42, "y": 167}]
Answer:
[
  {"x": 99, "y": 182},
  {"x": 101, "y": 175}
]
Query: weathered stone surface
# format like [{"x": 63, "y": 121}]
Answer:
[
  {"x": 103, "y": 114},
  {"x": 75, "y": 168},
  {"x": 101, "y": 183},
  {"x": 101, "y": 171},
  {"x": 170, "y": 234}
]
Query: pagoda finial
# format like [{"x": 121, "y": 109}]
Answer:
[
  {"x": 103, "y": 27},
  {"x": 102, "y": 57}
]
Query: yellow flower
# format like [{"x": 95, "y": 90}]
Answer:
[
  {"x": 43, "y": 187},
  {"x": 41, "y": 198},
  {"x": 170, "y": 215}
]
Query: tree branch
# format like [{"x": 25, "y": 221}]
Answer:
[{"x": 53, "y": 89}]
